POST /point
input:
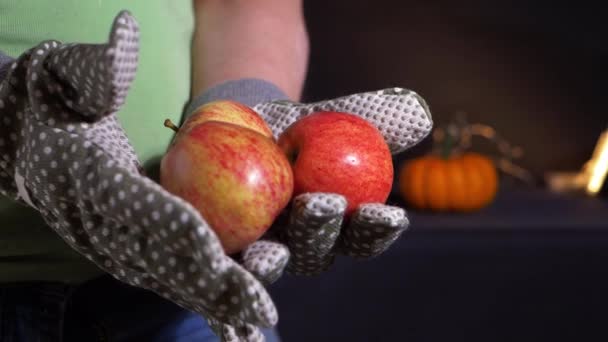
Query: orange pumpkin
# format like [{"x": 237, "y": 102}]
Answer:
[{"x": 459, "y": 183}]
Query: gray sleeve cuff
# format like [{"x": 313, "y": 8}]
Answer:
[
  {"x": 5, "y": 63},
  {"x": 248, "y": 91}
]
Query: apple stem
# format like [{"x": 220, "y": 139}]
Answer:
[{"x": 169, "y": 123}]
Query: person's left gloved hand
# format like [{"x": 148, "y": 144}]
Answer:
[
  {"x": 312, "y": 231},
  {"x": 64, "y": 153}
]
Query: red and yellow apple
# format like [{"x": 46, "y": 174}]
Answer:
[
  {"x": 225, "y": 163},
  {"x": 231, "y": 112},
  {"x": 339, "y": 153}
]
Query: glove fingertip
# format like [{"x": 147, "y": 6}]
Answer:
[
  {"x": 373, "y": 228},
  {"x": 382, "y": 214},
  {"x": 320, "y": 204},
  {"x": 266, "y": 260}
]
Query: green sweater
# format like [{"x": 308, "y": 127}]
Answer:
[{"x": 29, "y": 250}]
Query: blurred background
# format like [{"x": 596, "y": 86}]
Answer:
[
  {"x": 532, "y": 69},
  {"x": 530, "y": 265}
]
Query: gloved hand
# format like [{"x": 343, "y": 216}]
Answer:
[
  {"x": 64, "y": 153},
  {"x": 309, "y": 235}
]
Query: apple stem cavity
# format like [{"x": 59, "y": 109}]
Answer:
[
  {"x": 292, "y": 156},
  {"x": 169, "y": 123}
]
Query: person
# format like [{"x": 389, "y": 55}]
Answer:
[
  {"x": 187, "y": 47},
  {"x": 190, "y": 52}
]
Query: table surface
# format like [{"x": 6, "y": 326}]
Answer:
[
  {"x": 521, "y": 207},
  {"x": 530, "y": 267}
]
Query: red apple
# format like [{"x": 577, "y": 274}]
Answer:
[
  {"x": 237, "y": 178},
  {"x": 339, "y": 153}
]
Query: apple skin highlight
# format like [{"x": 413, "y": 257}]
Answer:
[
  {"x": 237, "y": 178},
  {"x": 339, "y": 153}
]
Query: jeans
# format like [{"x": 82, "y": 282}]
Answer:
[{"x": 101, "y": 310}]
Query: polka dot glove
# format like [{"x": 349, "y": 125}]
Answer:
[
  {"x": 307, "y": 239},
  {"x": 63, "y": 152}
]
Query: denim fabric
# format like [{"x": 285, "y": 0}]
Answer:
[
  {"x": 32, "y": 312},
  {"x": 101, "y": 310}
]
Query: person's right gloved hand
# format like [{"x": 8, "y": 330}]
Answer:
[
  {"x": 64, "y": 153},
  {"x": 313, "y": 230},
  {"x": 317, "y": 229}
]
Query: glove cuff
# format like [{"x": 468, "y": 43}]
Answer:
[{"x": 248, "y": 91}]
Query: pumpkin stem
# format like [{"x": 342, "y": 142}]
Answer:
[{"x": 448, "y": 143}]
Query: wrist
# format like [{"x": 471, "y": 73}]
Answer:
[
  {"x": 264, "y": 39},
  {"x": 247, "y": 91}
]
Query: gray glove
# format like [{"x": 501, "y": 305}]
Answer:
[
  {"x": 309, "y": 235},
  {"x": 63, "y": 152}
]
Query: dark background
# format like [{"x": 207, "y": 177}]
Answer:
[
  {"x": 532, "y": 266},
  {"x": 535, "y": 70}
]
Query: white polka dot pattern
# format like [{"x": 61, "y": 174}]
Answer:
[
  {"x": 401, "y": 115},
  {"x": 314, "y": 231},
  {"x": 314, "y": 234},
  {"x": 266, "y": 260},
  {"x": 249, "y": 333},
  {"x": 373, "y": 229},
  {"x": 60, "y": 137}
]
